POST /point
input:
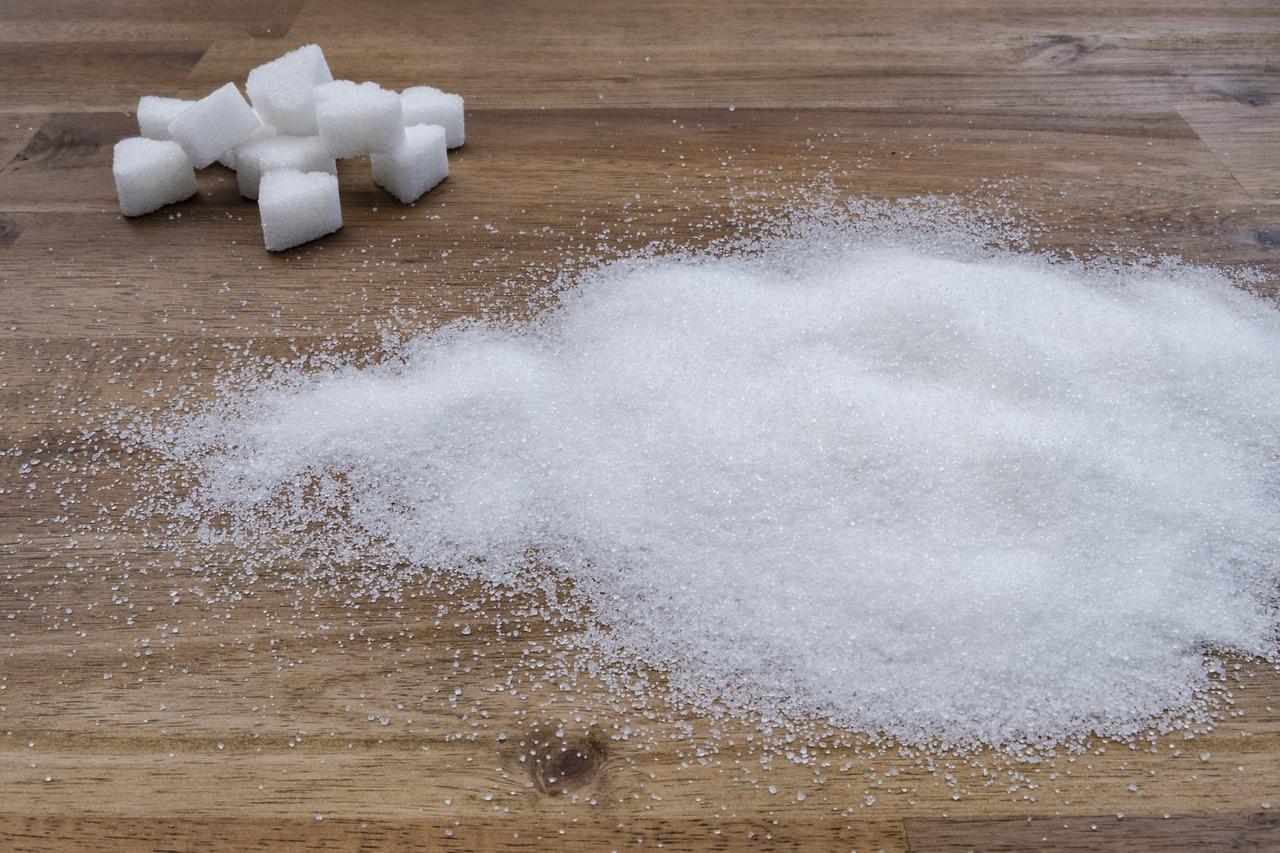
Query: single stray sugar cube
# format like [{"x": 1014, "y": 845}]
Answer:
[
  {"x": 155, "y": 113},
  {"x": 299, "y": 153},
  {"x": 283, "y": 90},
  {"x": 414, "y": 166},
  {"x": 427, "y": 105},
  {"x": 297, "y": 207},
  {"x": 358, "y": 118},
  {"x": 151, "y": 173},
  {"x": 214, "y": 124}
]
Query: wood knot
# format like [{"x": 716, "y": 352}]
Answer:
[
  {"x": 1240, "y": 91},
  {"x": 1250, "y": 96},
  {"x": 1268, "y": 238},
  {"x": 1060, "y": 52},
  {"x": 67, "y": 140},
  {"x": 559, "y": 761},
  {"x": 10, "y": 228}
]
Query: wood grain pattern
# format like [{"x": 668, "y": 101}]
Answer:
[{"x": 133, "y": 716}]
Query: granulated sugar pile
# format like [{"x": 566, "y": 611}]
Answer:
[{"x": 908, "y": 485}]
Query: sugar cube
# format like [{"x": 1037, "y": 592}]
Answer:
[
  {"x": 151, "y": 173},
  {"x": 297, "y": 207},
  {"x": 228, "y": 157},
  {"x": 427, "y": 105},
  {"x": 414, "y": 166},
  {"x": 357, "y": 119},
  {"x": 155, "y": 113},
  {"x": 299, "y": 153},
  {"x": 215, "y": 123},
  {"x": 283, "y": 90}
]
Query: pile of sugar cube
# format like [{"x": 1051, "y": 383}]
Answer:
[{"x": 285, "y": 146}]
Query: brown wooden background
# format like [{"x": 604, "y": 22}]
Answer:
[{"x": 1149, "y": 126}]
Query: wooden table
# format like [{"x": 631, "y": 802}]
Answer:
[{"x": 132, "y": 716}]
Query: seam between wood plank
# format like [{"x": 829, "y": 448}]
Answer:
[{"x": 1231, "y": 174}]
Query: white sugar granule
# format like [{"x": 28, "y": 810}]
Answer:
[{"x": 947, "y": 493}]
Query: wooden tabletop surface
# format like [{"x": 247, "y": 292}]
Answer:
[{"x": 134, "y": 716}]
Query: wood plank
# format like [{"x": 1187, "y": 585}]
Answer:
[
  {"x": 781, "y": 76},
  {"x": 1252, "y": 831},
  {"x": 125, "y": 20},
  {"x": 874, "y": 54},
  {"x": 1094, "y": 35},
  {"x": 1156, "y": 159},
  {"x": 93, "y": 75},
  {"x": 33, "y": 835},
  {"x": 172, "y": 266}
]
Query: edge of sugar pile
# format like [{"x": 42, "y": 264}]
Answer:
[{"x": 280, "y": 544}]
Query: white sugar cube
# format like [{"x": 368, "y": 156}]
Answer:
[
  {"x": 414, "y": 166},
  {"x": 297, "y": 207},
  {"x": 357, "y": 119},
  {"x": 214, "y": 124},
  {"x": 283, "y": 90},
  {"x": 298, "y": 153},
  {"x": 228, "y": 157},
  {"x": 154, "y": 115},
  {"x": 151, "y": 173},
  {"x": 426, "y": 105}
]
